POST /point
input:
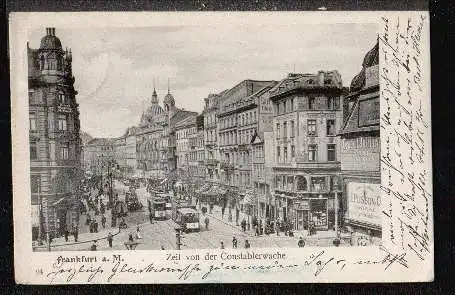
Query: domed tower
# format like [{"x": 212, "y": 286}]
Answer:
[
  {"x": 153, "y": 112},
  {"x": 51, "y": 55},
  {"x": 169, "y": 101}
]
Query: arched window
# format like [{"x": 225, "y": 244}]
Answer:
[
  {"x": 42, "y": 62},
  {"x": 301, "y": 183}
]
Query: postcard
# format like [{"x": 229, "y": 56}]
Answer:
[{"x": 221, "y": 147}]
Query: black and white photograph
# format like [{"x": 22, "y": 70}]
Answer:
[
  {"x": 192, "y": 137},
  {"x": 196, "y": 147}
]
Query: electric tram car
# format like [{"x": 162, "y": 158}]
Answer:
[{"x": 188, "y": 219}]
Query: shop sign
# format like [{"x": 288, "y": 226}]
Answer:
[
  {"x": 35, "y": 215},
  {"x": 364, "y": 203}
]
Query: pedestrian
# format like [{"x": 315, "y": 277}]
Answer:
[
  {"x": 130, "y": 237},
  {"x": 138, "y": 233},
  {"x": 76, "y": 233},
  {"x": 162, "y": 247},
  {"x": 243, "y": 224},
  {"x": 110, "y": 237},
  {"x": 103, "y": 221},
  {"x": 207, "y": 223},
  {"x": 301, "y": 243},
  {"x": 247, "y": 244},
  {"x": 66, "y": 235},
  {"x": 93, "y": 247},
  {"x": 222, "y": 245},
  {"x": 234, "y": 243}
]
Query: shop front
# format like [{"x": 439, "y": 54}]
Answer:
[
  {"x": 312, "y": 211},
  {"x": 363, "y": 212}
]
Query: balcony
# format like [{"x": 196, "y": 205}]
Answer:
[
  {"x": 211, "y": 162},
  {"x": 309, "y": 165}
]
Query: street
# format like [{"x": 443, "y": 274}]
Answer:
[{"x": 162, "y": 234}]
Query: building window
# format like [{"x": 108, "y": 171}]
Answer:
[
  {"x": 330, "y": 103},
  {"x": 311, "y": 101},
  {"x": 32, "y": 119},
  {"x": 42, "y": 62},
  {"x": 331, "y": 154},
  {"x": 330, "y": 127},
  {"x": 277, "y": 130},
  {"x": 301, "y": 183},
  {"x": 62, "y": 122},
  {"x": 312, "y": 152},
  {"x": 285, "y": 129},
  {"x": 293, "y": 151},
  {"x": 311, "y": 127},
  {"x": 35, "y": 183},
  {"x": 292, "y": 129},
  {"x": 292, "y": 104},
  {"x": 64, "y": 151},
  {"x": 278, "y": 154},
  {"x": 62, "y": 98},
  {"x": 33, "y": 151},
  {"x": 285, "y": 154}
]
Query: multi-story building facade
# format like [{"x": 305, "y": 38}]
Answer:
[
  {"x": 184, "y": 131},
  {"x": 54, "y": 133},
  {"x": 190, "y": 150},
  {"x": 155, "y": 137},
  {"x": 96, "y": 152},
  {"x": 211, "y": 137},
  {"x": 307, "y": 117},
  {"x": 119, "y": 146},
  {"x": 360, "y": 150},
  {"x": 262, "y": 157},
  {"x": 198, "y": 152},
  {"x": 131, "y": 151},
  {"x": 125, "y": 152},
  {"x": 237, "y": 120}
]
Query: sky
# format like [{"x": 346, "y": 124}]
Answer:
[{"x": 116, "y": 69}]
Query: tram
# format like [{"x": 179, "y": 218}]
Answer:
[
  {"x": 159, "y": 209},
  {"x": 188, "y": 219},
  {"x": 167, "y": 199}
]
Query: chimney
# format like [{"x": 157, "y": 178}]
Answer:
[{"x": 48, "y": 31}]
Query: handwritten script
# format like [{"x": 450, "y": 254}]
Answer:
[
  {"x": 108, "y": 269},
  {"x": 405, "y": 132}
]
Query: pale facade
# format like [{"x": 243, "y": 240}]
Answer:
[{"x": 307, "y": 117}]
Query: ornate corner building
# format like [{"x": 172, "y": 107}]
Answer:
[{"x": 55, "y": 144}]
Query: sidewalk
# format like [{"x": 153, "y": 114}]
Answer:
[{"x": 216, "y": 213}]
